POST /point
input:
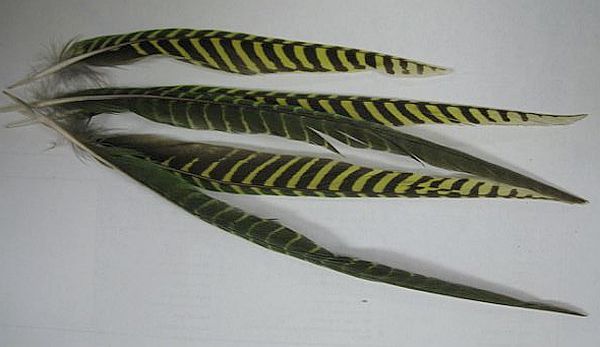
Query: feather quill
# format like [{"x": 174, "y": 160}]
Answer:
[
  {"x": 229, "y": 51},
  {"x": 223, "y": 112},
  {"x": 263, "y": 232}
]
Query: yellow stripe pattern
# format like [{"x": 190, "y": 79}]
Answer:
[
  {"x": 397, "y": 112},
  {"x": 248, "y": 172},
  {"x": 249, "y": 54}
]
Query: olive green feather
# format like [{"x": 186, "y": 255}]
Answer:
[
  {"x": 240, "y": 171},
  {"x": 237, "y": 115},
  {"x": 230, "y": 52}
]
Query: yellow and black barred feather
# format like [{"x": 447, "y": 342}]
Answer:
[
  {"x": 237, "y": 115},
  {"x": 240, "y": 171},
  {"x": 386, "y": 111},
  {"x": 243, "y": 53},
  {"x": 230, "y": 52}
]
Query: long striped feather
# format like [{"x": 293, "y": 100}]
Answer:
[
  {"x": 226, "y": 113},
  {"x": 240, "y": 171},
  {"x": 386, "y": 111},
  {"x": 264, "y": 232},
  {"x": 231, "y": 52}
]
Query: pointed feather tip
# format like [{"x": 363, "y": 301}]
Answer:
[
  {"x": 567, "y": 119},
  {"x": 573, "y": 199},
  {"x": 439, "y": 71},
  {"x": 577, "y": 117},
  {"x": 563, "y": 196},
  {"x": 555, "y": 309},
  {"x": 575, "y": 313},
  {"x": 444, "y": 70}
]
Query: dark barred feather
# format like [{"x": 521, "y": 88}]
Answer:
[
  {"x": 386, "y": 111},
  {"x": 230, "y": 52},
  {"x": 243, "y": 53},
  {"x": 240, "y": 171},
  {"x": 235, "y": 115}
]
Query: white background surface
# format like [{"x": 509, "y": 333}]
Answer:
[{"x": 89, "y": 258}]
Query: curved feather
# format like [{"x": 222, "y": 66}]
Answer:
[
  {"x": 226, "y": 113},
  {"x": 240, "y": 171},
  {"x": 231, "y": 52}
]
